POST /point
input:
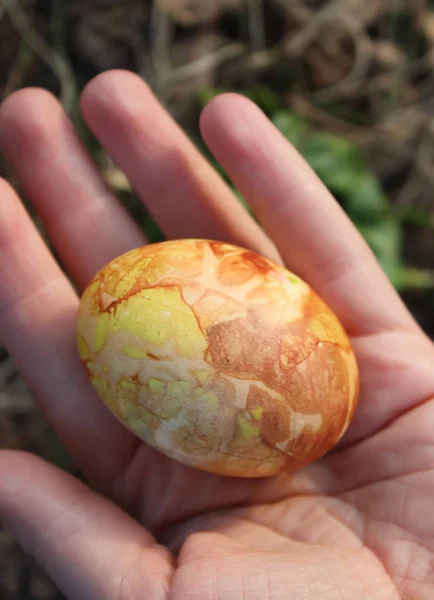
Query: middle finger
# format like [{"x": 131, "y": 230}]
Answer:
[{"x": 182, "y": 191}]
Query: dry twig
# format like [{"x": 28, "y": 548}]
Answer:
[
  {"x": 161, "y": 38},
  {"x": 363, "y": 53},
  {"x": 44, "y": 51},
  {"x": 15, "y": 403},
  {"x": 256, "y": 20},
  {"x": 205, "y": 63}
]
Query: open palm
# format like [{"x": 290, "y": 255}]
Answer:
[{"x": 357, "y": 524}]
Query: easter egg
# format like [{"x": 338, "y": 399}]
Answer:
[{"x": 217, "y": 357}]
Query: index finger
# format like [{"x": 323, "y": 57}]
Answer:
[{"x": 313, "y": 234}]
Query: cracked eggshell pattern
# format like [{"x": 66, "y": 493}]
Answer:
[{"x": 218, "y": 357}]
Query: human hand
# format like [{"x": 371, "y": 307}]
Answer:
[{"x": 357, "y": 524}]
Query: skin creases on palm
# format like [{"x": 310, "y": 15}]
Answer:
[
  {"x": 356, "y": 524},
  {"x": 348, "y": 526}
]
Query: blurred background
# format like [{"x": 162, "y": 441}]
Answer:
[{"x": 349, "y": 82}]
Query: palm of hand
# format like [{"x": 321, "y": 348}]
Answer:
[
  {"x": 355, "y": 525},
  {"x": 349, "y": 526}
]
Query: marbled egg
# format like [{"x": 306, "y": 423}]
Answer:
[{"x": 218, "y": 357}]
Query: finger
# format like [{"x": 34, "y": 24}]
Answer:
[
  {"x": 182, "y": 191},
  {"x": 312, "y": 232},
  {"x": 88, "y": 546},
  {"x": 85, "y": 222},
  {"x": 397, "y": 376},
  {"x": 38, "y": 310}
]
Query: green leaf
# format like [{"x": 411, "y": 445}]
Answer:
[
  {"x": 265, "y": 98},
  {"x": 413, "y": 215},
  {"x": 207, "y": 94},
  {"x": 293, "y": 127},
  {"x": 385, "y": 239},
  {"x": 416, "y": 279},
  {"x": 365, "y": 201},
  {"x": 335, "y": 160},
  {"x": 152, "y": 231}
]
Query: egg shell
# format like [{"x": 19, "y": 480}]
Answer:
[{"x": 218, "y": 357}]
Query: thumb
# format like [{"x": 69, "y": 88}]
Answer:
[{"x": 89, "y": 547}]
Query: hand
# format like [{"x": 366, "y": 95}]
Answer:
[{"x": 358, "y": 524}]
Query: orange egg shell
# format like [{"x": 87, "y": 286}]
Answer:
[{"x": 218, "y": 357}]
